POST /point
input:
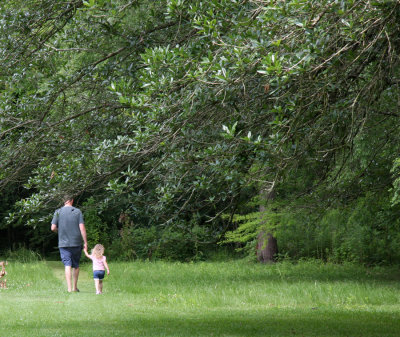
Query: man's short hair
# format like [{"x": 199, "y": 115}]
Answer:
[{"x": 68, "y": 197}]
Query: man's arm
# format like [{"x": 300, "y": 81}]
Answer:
[
  {"x": 83, "y": 233},
  {"x": 54, "y": 228}
]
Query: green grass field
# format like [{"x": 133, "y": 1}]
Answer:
[{"x": 203, "y": 299}]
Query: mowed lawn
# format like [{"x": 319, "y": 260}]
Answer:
[{"x": 233, "y": 298}]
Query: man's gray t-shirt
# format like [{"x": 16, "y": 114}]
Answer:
[{"x": 67, "y": 219}]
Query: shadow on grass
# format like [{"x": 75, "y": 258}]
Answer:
[{"x": 274, "y": 322}]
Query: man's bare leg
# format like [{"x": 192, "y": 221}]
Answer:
[
  {"x": 75, "y": 275},
  {"x": 68, "y": 278}
]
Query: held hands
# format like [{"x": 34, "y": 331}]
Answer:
[{"x": 86, "y": 252}]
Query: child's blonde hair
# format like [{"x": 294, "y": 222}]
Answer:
[{"x": 98, "y": 250}]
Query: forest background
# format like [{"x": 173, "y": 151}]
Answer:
[{"x": 184, "y": 128}]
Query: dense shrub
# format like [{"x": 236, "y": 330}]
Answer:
[
  {"x": 176, "y": 242},
  {"x": 96, "y": 229},
  {"x": 365, "y": 231}
]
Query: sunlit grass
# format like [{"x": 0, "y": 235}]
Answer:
[{"x": 204, "y": 299}]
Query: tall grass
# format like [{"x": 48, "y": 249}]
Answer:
[
  {"x": 21, "y": 254},
  {"x": 204, "y": 299},
  {"x": 236, "y": 284}
]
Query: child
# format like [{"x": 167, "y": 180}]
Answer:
[{"x": 99, "y": 264}]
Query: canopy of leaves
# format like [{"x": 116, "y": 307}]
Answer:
[{"x": 177, "y": 112}]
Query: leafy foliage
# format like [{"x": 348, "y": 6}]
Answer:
[{"x": 176, "y": 112}]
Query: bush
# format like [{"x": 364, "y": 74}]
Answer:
[
  {"x": 365, "y": 231},
  {"x": 177, "y": 242},
  {"x": 96, "y": 230}
]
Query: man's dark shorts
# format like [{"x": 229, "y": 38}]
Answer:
[{"x": 71, "y": 256}]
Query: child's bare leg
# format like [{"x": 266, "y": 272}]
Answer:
[
  {"x": 97, "y": 285},
  {"x": 101, "y": 286}
]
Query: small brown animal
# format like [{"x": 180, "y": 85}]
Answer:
[{"x": 3, "y": 283}]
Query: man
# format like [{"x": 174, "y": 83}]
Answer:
[{"x": 68, "y": 222}]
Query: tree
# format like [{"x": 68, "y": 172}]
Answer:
[{"x": 172, "y": 111}]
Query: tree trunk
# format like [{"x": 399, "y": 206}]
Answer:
[{"x": 267, "y": 245}]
